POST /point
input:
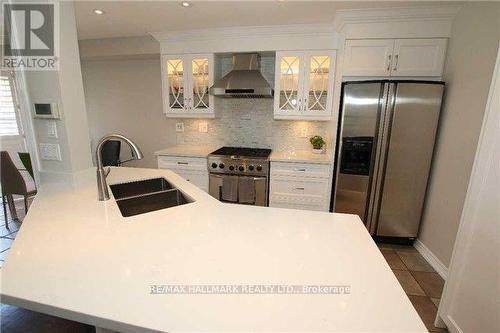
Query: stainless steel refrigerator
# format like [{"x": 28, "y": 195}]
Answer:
[{"x": 384, "y": 150}]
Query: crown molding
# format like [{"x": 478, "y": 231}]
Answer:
[
  {"x": 276, "y": 31},
  {"x": 391, "y": 15}
]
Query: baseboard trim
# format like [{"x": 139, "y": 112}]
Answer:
[{"x": 431, "y": 258}]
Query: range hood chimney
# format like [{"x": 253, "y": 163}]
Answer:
[{"x": 244, "y": 80}]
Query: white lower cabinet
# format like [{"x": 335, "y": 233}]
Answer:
[
  {"x": 193, "y": 169},
  {"x": 300, "y": 185}
]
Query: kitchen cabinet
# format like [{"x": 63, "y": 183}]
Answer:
[
  {"x": 193, "y": 169},
  {"x": 300, "y": 185},
  {"x": 419, "y": 57},
  {"x": 394, "y": 57},
  {"x": 304, "y": 83},
  {"x": 186, "y": 80}
]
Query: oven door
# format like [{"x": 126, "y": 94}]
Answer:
[
  {"x": 252, "y": 190},
  {"x": 249, "y": 190}
]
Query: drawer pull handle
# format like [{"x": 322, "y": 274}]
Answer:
[
  {"x": 299, "y": 188},
  {"x": 184, "y": 163},
  {"x": 301, "y": 169}
]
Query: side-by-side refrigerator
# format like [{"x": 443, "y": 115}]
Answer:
[{"x": 385, "y": 144}]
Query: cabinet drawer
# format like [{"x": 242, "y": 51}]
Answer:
[
  {"x": 309, "y": 194},
  {"x": 300, "y": 169},
  {"x": 298, "y": 206},
  {"x": 182, "y": 163},
  {"x": 199, "y": 179},
  {"x": 288, "y": 185}
]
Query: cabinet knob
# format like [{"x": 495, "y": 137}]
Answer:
[{"x": 396, "y": 58}]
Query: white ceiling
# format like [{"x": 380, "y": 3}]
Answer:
[{"x": 138, "y": 18}]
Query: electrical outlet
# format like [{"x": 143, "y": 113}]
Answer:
[
  {"x": 203, "y": 127},
  {"x": 179, "y": 127},
  {"x": 52, "y": 129},
  {"x": 50, "y": 151},
  {"x": 303, "y": 132}
]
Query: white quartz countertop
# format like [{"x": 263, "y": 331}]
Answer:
[
  {"x": 305, "y": 156},
  {"x": 78, "y": 258},
  {"x": 186, "y": 151}
]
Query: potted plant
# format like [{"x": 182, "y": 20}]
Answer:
[{"x": 318, "y": 144}]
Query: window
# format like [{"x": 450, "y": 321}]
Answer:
[{"x": 9, "y": 123}]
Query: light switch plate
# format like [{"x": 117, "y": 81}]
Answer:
[
  {"x": 303, "y": 133},
  {"x": 179, "y": 127},
  {"x": 50, "y": 151},
  {"x": 51, "y": 129},
  {"x": 203, "y": 127}
]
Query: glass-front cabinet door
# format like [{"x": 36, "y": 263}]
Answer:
[
  {"x": 175, "y": 83},
  {"x": 318, "y": 84},
  {"x": 186, "y": 81},
  {"x": 288, "y": 83},
  {"x": 200, "y": 83},
  {"x": 304, "y": 84}
]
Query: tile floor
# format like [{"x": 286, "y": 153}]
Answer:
[{"x": 419, "y": 280}]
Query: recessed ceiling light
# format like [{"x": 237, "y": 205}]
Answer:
[
  {"x": 185, "y": 4},
  {"x": 98, "y": 11}
]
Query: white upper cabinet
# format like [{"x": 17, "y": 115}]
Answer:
[
  {"x": 304, "y": 82},
  {"x": 418, "y": 57},
  {"x": 394, "y": 57},
  {"x": 368, "y": 57},
  {"x": 288, "y": 83},
  {"x": 186, "y": 80}
]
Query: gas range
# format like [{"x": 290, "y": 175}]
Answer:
[{"x": 240, "y": 161}]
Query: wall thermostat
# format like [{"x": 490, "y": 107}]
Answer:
[{"x": 46, "y": 110}]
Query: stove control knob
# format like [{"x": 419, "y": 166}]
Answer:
[
  {"x": 231, "y": 167},
  {"x": 214, "y": 165},
  {"x": 222, "y": 166},
  {"x": 241, "y": 168},
  {"x": 259, "y": 167},
  {"x": 250, "y": 167}
]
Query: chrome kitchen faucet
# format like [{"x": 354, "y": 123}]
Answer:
[{"x": 102, "y": 186}]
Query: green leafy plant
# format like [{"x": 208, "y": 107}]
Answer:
[{"x": 317, "y": 142}]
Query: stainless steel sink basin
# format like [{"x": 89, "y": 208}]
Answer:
[
  {"x": 148, "y": 195},
  {"x": 147, "y": 186}
]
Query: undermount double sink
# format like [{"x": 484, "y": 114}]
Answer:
[{"x": 139, "y": 197}]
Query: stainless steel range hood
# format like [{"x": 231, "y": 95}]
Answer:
[{"x": 244, "y": 80}]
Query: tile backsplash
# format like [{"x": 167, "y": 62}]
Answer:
[{"x": 249, "y": 123}]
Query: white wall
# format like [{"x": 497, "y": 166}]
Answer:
[
  {"x": 64, "y": 87},
  {"x": 469, "y": 67},
  {"x": 124, "y": 96},
  {"x": 470, "y": 301}
]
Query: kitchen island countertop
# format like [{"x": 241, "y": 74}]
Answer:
[{"x": 78, "y": 258}]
